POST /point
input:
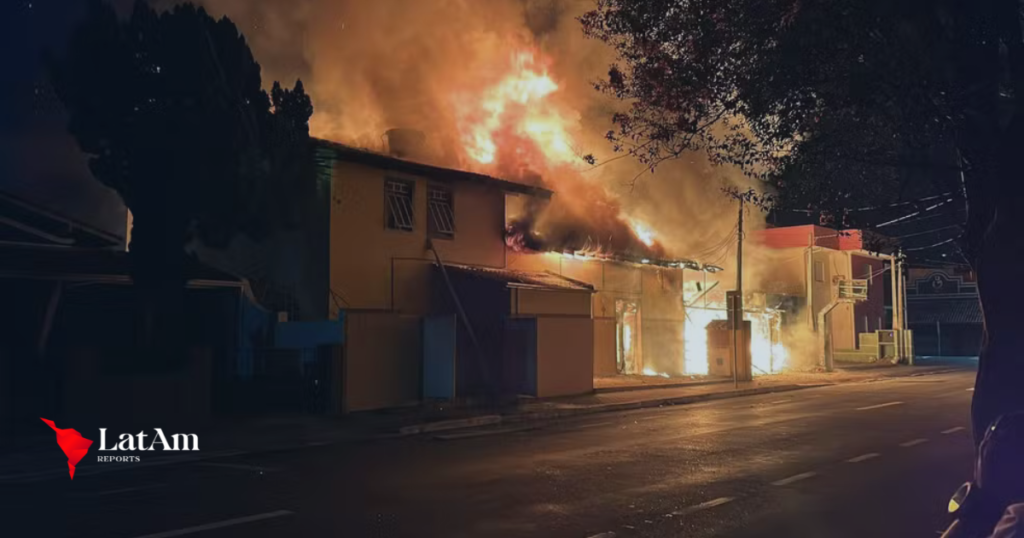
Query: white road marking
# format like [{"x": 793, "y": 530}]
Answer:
[
  {"x": 953, "y": 430},
  {"x": 238, "y": 466},
  {"x": 913, "y": 442},
  {"x": 594, "y": 425},
  {"x": 778, "y": 402},
  {"x": 970, "y": 389},
  {"x": 794, "y": 478},
  {"x": 863, "y": 457},
  {"x": 126, "y": 490},
  {"x": 219, "y": 524},
  {"x": 608, "y": 534},
  {"x": 703, "y": 506},
  {"x": 879, "y": 406}
]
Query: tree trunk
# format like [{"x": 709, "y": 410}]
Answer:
[
  {"x": 996, "y": 245},
  {"x": 158, "y": 273}
]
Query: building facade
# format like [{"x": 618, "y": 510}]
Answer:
[
  {"x": 944, "y": 311},
  {"x": 805, "y": 264}
]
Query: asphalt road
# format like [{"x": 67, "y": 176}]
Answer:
[{"x": 871, "y": 459}]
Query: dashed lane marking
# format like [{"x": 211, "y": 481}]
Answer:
[
  {"x": 126, "y": 490},
  {"x": 219, "y": 524},
  {"x": 237, "y": 466},
  {"x": 603, "y": 535},
  {"x": 913, "y": 442},
  {"x": 703, "y": 506},
  {"x": 953, "y": 430},
  {"x": 794, "y": 478},
  {"x": 594, "y": 425},
  {"x": 879, "y": 406},
  {"x": 863, "y": 457}
]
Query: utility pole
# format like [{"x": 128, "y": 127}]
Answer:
[{"x": 737, "y": 305}]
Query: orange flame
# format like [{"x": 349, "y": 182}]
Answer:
[{"x": 513, "y": 123}]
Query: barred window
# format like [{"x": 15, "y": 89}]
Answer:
[
  {"x": 442, "y": 212},
  {"x": 398, "y": 209}
]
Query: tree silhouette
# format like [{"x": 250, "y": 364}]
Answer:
[
  {"x": 838, "y": 102},
  {"x": 170, "y": 109}
]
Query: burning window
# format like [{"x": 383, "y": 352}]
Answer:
[
  {"x": 441, "y": 210},
  {"x": 398, "y": 211}
]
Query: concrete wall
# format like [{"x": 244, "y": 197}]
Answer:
[
  {"x": 565, "y": 356},
  {"x": 527, "y": 302},
  {"x": 874, "y": 307},
  {"x": 382, "y": 360},
  {"x": 365, "y": 255}
]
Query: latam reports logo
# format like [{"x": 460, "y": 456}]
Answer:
[{"x": 75, "y": 446}]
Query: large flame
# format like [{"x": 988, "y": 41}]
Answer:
[
  {"x": 513, "y": 124},
  {"x": 767, "y": 353}
]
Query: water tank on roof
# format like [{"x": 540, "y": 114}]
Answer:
[{"x": 405, "y": 143}]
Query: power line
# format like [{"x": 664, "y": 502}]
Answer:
[
  {"x": 940, "y": 243},
  {"x": 896, "y": 204},
  {"x": 914, "y": 214},
  {"x": 927, "y": 232}
]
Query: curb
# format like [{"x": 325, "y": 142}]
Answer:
[
  {"x": 656, "y": 402},
  {"x": 630, "y": 388},
  {"x": 459, "y": 423},
  {"x": 490, "y": 420}
]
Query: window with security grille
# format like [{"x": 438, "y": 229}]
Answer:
[
  {"x": 441, "y": 209},
  {"x": 398, "y": 196}
]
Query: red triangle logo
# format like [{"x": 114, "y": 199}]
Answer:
[{"x": 72, "y": 443}]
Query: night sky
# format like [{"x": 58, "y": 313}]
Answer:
[{"x": 38, "y": 159}]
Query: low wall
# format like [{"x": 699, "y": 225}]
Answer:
[
  {"x": 565, "y": 356},
  {"x": 604, "y": 347}
]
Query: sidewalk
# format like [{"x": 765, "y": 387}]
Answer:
[{"x": 38, "y": 458}]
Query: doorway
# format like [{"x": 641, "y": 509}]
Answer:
[{"x": 627, "y": 337}]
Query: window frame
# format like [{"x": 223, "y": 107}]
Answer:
[
  {"x": 432, "y": 229},
  {"x": 389, "y": 210}
]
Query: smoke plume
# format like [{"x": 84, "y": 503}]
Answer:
[{"x": 375, "y": 65}]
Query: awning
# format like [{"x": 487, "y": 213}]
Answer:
[{"x": 521, "y": 279}]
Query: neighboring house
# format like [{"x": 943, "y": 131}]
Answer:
[
  {"x": 69, "y": 351},
  {"x": 806, "y": 263},
  {"x": 640, "y": 310},
  {"x": 944, "y": 312},
  {"x": 26, "y": 223}
]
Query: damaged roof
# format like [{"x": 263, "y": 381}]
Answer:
[
  {"x": 524, "y": 279},
  {"x": 438, "y": 173}
]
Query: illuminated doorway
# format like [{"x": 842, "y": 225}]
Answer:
[{"x": 627, "y": 336}]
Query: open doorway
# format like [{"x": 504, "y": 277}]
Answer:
[{"x": 627, "y": 336}]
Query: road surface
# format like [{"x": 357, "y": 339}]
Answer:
[{"x": 871, "y": 459}]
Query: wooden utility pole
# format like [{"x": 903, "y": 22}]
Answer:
[{"x": 737, "y": 305}]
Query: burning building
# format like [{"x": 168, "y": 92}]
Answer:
[{"x": 460, "y": 175}]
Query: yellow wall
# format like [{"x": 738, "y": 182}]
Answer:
[
  {"x": 363, "y": 250},
  {"x": 565, "y": 356},
  {"x": 527, "y": 302},
  {"x": 836, "y": 263},
  {"x": 382, "y": 360}
]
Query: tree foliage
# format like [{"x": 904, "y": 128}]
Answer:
[
  {"x": 838, "y": 103},
  {"x": 170, "y": 109}
]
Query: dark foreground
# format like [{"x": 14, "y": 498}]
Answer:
[{"x": 872, "y": 459}]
